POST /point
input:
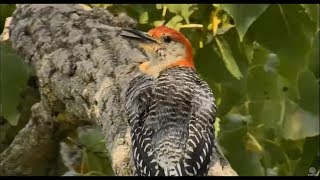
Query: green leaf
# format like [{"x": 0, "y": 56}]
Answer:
[
  {"x": 299, "y": 123},
  {"x": 206, "y": 59},
  {"x": 233, "y": 121},
  {"x": 269, "y": 105},
  {"x": 287, "y": 31},
  {"x": 143, "y": 19},
  {"x": 314, "y": 57},
  {"x": 95, "y": 157},
  {"x": 313, "y": 11},
  {"x": 158, "y": 23},
  {"x": 211, "y": 66},
  {"x": 216, "y": 126},
  {"x": 252, "y": 144},
  {"x": 293, "y": 148},
  {"x": 308, "y": 92},
  {"x": 97, "y": 163},
  {"x": 185, "y": 10},
  {"x": 225, "y": 28},
  {"x": 92, "y": 138},
  {"x": 227, "y": 57},
  {"x": 261, "y": 55},
  {"x": 267, "y": 112},
  {"x": 13, "y": 80},
  {"x": 309, "y": 157},
  {"x": 244, "y": 15},
  {"x": 105, "y": 6},
  {"x": 235, "y": 151},
  {"x": 262, "y": 84},
  {"x": 273, "y": 154},
  {"x": 144, "y": 13},
  {"x": 174, "y": 22},
  {"x": 266, "y": 98},
  {"x": 232, "y": 93}
]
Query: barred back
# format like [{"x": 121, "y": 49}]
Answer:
[{"x": 171, "y": 119}]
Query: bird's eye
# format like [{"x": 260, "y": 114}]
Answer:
[{"x": 167, "y": 39}]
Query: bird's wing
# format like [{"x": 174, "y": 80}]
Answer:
[
  {"x": 138, "y": 97},
  {"x": 200, "y": 141}
]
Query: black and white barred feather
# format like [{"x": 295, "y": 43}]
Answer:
[{"x": 172, "y": 123}]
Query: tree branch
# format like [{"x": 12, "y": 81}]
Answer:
[
  {"x": 83, "y": 67},
  {"x": 33, "y": 147}
]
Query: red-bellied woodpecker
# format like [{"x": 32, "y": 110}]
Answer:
[{"x": 171, "y": 110}]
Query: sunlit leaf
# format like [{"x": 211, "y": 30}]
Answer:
[
  {"x": 158, "y": 23},
  {"x": 216, "y": 126},
  {"x": 224, "y": 28},
  {"x": 299, "y": 123},
  {"x": 144, "y": 18},
  {"x": 252, "y": 145},
  {"x": 228, "y": 57},
  {"x": 215, "y": 21},
  {"x": 175, "y": 22},
  {"x": 185, "y": 10}
]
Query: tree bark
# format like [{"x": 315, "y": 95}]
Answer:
[{"x": 83, "y": 67}]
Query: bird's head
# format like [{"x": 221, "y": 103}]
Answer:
[{"x": 165, "y": 47}]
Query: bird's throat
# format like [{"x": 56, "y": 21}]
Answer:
[
  {"x": 150, "y": 69},
  {"x": 153, "y": 68}
]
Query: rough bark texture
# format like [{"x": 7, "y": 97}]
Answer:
[{"x": 83, "y": 67}]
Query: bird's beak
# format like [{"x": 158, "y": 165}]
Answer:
[{"x": 142, "y": 37}]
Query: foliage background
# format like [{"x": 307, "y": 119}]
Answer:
[{"x": 261, "y": 61}]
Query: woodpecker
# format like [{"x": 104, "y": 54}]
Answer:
[{"x": 171, "y": 111}]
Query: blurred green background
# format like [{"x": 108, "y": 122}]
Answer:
[{"x": 261, "y": 61}]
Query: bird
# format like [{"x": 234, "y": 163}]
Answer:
[{"x": 171, "y": 110}]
